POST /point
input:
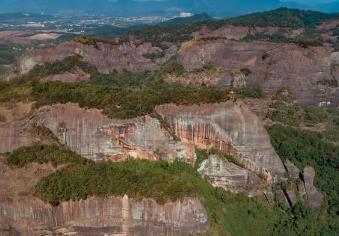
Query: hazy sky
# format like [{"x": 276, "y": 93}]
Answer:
[{"x": 309, "y": 1}]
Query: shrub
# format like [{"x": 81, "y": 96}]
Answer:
[
  {"x": 305, "y": 148},
  {"x": 154, "y": 56},
  {"x": 43, "y": 154}
]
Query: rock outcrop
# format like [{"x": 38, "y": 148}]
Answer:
[
  {"x": 96, "y": 216},
  {"x": 106, "y": 57},
  {"x": 224, "y": 174},
  {"x": 302, "y": 184},
  {"x": 303, "y": 71},
  {"x": 69, "y": 77},
  {"x": 240, "y": 32},
  {"x": 95, "y": 136},
  {"x": 229, "y": 127},
  {"x": 13, "y": 132},
  {"x": 313, "y": 196},
  {"x": 23, "y": 214}
]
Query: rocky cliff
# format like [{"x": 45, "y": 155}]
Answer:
[
  {"x": 13, "y": 132},
  {"x": 23, "y": 214},
  {"x": 95, "y": 136},
  {"x": 305, "y": 72},
  {"x": 240, "y": 32},
  {"x": 106, "y": 57},
  {"x": 229, "y": 127},
  {"x": 95, "y": 216}
]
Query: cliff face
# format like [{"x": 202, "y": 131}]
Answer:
[
  {"x": 21, "y": 213},
  {"x": 95, "y": 136},
  {"x": 12, "y": 129},
  {"x": 97, "y": 216},
  {"x": 303, "y": 71},
  {"x": 229, "y": 127},
  {"x": 240, "y": 32},
  {"x": 105, "y": 57}
]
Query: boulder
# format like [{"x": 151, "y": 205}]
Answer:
[
  {"x": 314, "y": 196},
  {"x": 229, "y": 176}
]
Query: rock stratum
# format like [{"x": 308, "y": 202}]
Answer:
[
  {"x": 105, "y": 57},
  {"x": 272, "y": 66},
  {"x": 229, "y": 127},
  {"x": 309, "y": 73},
  {"x": 23, "y": 214},
  {"x": 94, "y": 216}
]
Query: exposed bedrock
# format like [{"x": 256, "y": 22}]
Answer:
[
  {"x": 305, "y": 185},
  {"x": 23, "y": 214},
  {"x": 13, "y": 132},
  {"x": 229, "y": 127},
  {"x": 224, "y": 174},
  {"x": 95, "y": 136},
  {"x": 105, "y": 57},
  {"x": 313, "y": 195},
  {"x": 240, "y": 32},
  {"x": 97, "y": 216},
  {"x": 305, "y": 72}
]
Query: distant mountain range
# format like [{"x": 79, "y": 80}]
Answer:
[{"x": 217, "y": 8}]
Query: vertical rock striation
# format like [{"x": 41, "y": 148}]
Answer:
[
  {"x": 95, "y": 136},
  {"x": 229, "y": 127},
  {"x": 306, "y": 72},
  {"x": 114, "y": 215}
]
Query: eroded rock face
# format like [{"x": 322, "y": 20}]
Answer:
[
  {"x": 23, "y": 214},
  {"x": 95, "y": 136},
  {"x": 96, "y": 216},
  {"x": 240, "y": 32},
  {"x": 224, "y": 174},
  {"x": 70, "y": 77},
  {"x": 229, "y": 127},
  {"x": 13, "y": 132},
  {"x": 292, "y": 170},
  {"x": 314, "y": 196},
  {"x": 274, "y": 66},
  {"x": 105, "y": 57}
]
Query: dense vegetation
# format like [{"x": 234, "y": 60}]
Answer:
[
  {"x": 287, "y": 113},
  {"x": 58, "y": 67},
  {"x": 283, "y": 17},
  {"x": 123, "y": 95},
  {"x": 305, "y": 148},
  {"x": 164, "y": 182},
  {"x": 43, "y": 154},
  {"x": 129, "y": 101},
  {"x": 136, "y": 178},
  {"x": 276, "y": 38}
]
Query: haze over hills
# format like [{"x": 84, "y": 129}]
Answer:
[{"x": 219, "y": 8}]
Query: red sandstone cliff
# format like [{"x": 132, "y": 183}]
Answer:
[{"x": 229, "y": 127}]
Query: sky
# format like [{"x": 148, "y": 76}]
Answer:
[{"x": 161, "y": 7}]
